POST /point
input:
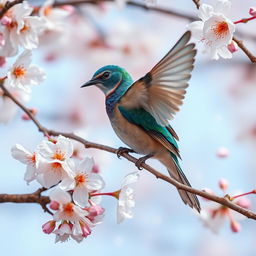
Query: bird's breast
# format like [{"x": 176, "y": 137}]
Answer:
[{"x": 132, "y": 135}]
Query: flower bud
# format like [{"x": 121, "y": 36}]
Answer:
[
  {"x": 252, "y": 11},
  {"x": 222, "y": 152},
  {"x": 5, "y": 21},
  {"x": 49, "y": 226},
  {"x": 223, "y": 184},
  {"x": 244, "y": 202},
  {"x": 233, "y": 47},
  {"x": 54, "y": 205},
  {"x": 85, "y": 229},
  {"x": 25, "y": 117},
  {"x": 235, "y": 226}
]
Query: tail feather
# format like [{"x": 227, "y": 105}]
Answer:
[{"x": 176, "y": 172}]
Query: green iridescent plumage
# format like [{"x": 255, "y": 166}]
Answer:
[{"x": 140, "y": 111}]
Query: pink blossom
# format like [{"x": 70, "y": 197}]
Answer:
[
  {"x": 252, "y": 11},
  {"x": 223, "y": 184},
  {"x": 222, "y": 152},
  {"x": 49, "y": 226},
  {"x": 233, "y": 47}
]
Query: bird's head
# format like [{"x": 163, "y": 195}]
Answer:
[{"x": 108, "y": 78}]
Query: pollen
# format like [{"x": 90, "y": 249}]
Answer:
[
  {"x": 80, "y": 179},
  {"x": 68, "y": 209},
  {"x": 220, "y": 29},
  {"x": 47, "y": 10},
  {"x": 58, "y": 156},
  {"x": 19, "y": 71},
  {"x": 24, "y": 29},
  {"x": 32, "y": 158}
]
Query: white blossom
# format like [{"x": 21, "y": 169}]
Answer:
[
  {"x": 53, "y": 17},
  {"x": 214, "y": 30},
  {"x": 31, "y": 159},
  {"x": 23, "y": 74},
  {"x": 126, "y": 197},
  {"x": 20, "y": 29},
  {"x": 7, "y": 107},
  {"x": 84, "y": 181},
  {"x": 55, "y": 156},
  {"x": 74, "y": 222}
]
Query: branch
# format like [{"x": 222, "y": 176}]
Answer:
[
  {"x": 88, "y": 144},
  {"x": 28, "y": 198},
  {"x": 9, "y": 5},
  {"x": 245, "y": 50}
]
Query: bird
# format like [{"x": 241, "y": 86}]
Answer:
[{"x": 140, "y": 111}]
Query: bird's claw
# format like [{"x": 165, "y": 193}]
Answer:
[
  {"x": 139, "y": 162},
  {"x": 123, "y": 150},
  {"x": 142, "y": 160}
]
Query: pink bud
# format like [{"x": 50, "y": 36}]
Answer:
[
  {"x": 5, "y": 21},
  {"x": 233, "y": 47},
  {"x": 95, "y": 169},
  {"x": 85, "y": 229},
  {"x": 252, "y": 11},
  {"x": 48, "y": 227},
  {"x": 54, "y": 205},
  {"x": 235, "y": 226},
  {"x": 222, "y": 152},
  {"x": 25, "y": 117},
  {"x": 223, "y": 184},
  {"x": 244, "y": 202},
  {"x": 95, "y": 210}
]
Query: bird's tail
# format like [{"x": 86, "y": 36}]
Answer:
[{"x": 176, "y": 172}]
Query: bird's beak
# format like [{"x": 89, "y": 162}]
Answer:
[{"x": 91, "y": 82}]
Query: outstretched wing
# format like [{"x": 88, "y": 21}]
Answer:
[{"x": 161, "y": 91}]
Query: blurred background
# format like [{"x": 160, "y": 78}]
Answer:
[{"x": 219, "y": 111}]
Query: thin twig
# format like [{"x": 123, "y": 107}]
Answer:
[
  {"x": 88, "y": 144},
  {"x": 245, "y": 50}
]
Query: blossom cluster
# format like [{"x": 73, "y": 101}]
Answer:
[
  {"x": 214, "y": 215},
  {"x": 215, "y": 29},
  {"x": 75, "y": 188},
  {"x": 22, "y": 31}
]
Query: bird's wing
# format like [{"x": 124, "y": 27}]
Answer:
[
  {"x": 161, "y": 91},
  {"x": 147, "y": 122}
]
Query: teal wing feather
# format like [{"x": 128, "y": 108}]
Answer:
[{"x": 148, "y": 123}]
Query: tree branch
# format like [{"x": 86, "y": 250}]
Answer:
[
  {"x": 9, "y": 5},
  {"x": 88, "y": 144},
  {"x": 35, "y": 197}
]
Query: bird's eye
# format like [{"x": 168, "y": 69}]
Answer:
[{"x": 106, "y": 75}]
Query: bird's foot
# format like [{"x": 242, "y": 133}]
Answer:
[
  {"x": 142, "y": 160},
  {"x": 122, "y": 150}
]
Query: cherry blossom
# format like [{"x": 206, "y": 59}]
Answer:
[
  {"x": 54, "y": 166},
  {"x": 7, "y": 107},
  {"x": 84, "y": 181},
  {"x": 20, "y": 29},
  {"x": 215, "y": 215},
  {"x": 74, "y": 221},
  {"x": 214, "y": 30},
  {"x": 23, "y": 74},
  {"x": 31, "y": 159},
  {"x": 252, "y": 11},
  {"x": 53, "y": 17},
  {"x": 126, "y": 197}
]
